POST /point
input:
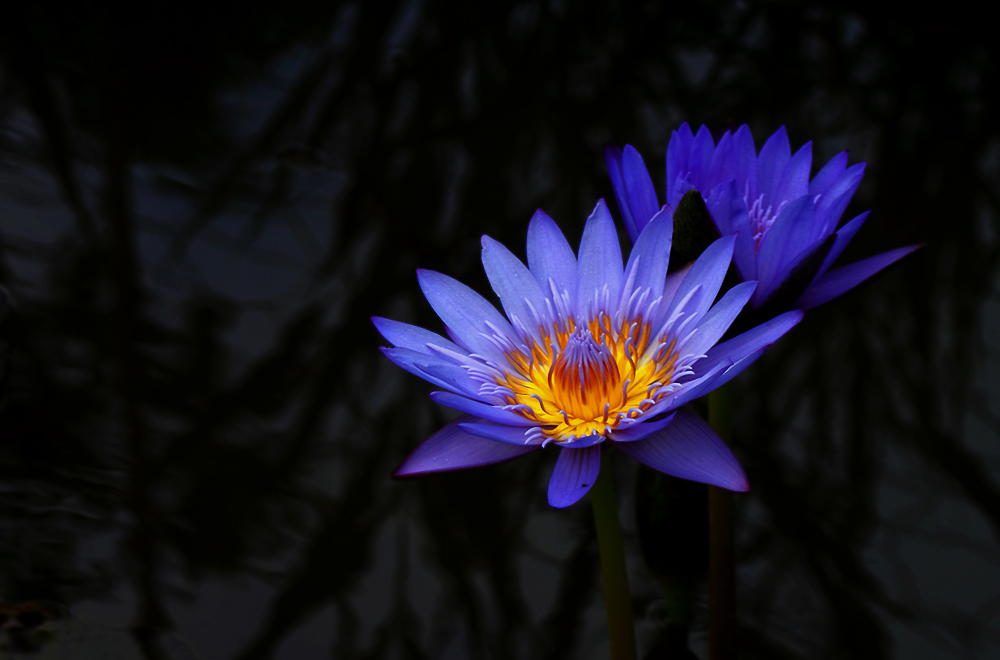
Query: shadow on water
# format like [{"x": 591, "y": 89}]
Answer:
[{"x": 200, "y": 209}]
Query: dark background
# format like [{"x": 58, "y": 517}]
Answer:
[{"x": 201, "y": 204}]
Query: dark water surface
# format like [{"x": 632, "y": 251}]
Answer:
[{"x": 201, "y": 204}]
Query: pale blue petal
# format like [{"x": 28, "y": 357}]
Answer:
[
  {"x": 484, "y": 410},
  {"x": 451, "y": 448},
  {"x": 672, "y": 283},
  {"x": 466, "y": 313},
  {"x": 641, "y": 194},
  {"x": 689, "y": 448},
  {"x": 418, "y": 364},
  {"x": 652, "y": 252},
  {"x": 511, "y": 435},
  {"x": 404, "y": 335},
  {"x": 718, "y": 319},
  {"x": 516, "y": 287},
  {"x": 600, "y": 263},
  {"x": 550, "y": 258},
  {"x": 708, "y": 272},
  {"x": 575, "y": 472},
  {"x": 843, "y": 279},
  {"x": 640, "y": 430}
]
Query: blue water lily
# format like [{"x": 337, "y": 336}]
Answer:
[
  {"x": 785, "y": 224},
  {"x": 588, "y": 353}
]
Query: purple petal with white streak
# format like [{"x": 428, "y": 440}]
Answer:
[
  {"x": 511, "y": 435},
  {"x": 404, "y": 335},
  {"x": 749, "y": 342},
  {"x": 484, "y": 410},
  {"x": 652, "y": 251},
  {"x": 550, "y": 257},
  {"x": 600, "y": 262},
  {"x": 516, "y": 287}
]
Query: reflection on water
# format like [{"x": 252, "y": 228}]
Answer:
[{"x": 199, "y": 211}]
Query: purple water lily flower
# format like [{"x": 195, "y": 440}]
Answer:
[
  {"x": 785, "y": 224},
  {"x": 588, "y": 353}
]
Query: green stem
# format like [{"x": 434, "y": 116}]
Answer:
[
  {"x": 721, "y": 546},
  {"x": 617, "y": 599}
]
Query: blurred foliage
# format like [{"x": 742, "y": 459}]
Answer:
[{"x": 156, "y": 435}]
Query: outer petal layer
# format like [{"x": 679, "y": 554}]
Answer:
[
  {"x": 688, "y": 448},
  {"x": 575, "y": 472},
  {"x": 452, "y": 448},
  {"x": 843, "y": 279}
]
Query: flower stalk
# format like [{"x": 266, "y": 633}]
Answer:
[
  {"x": 722, "y": 555},
  {"x": 617, "y": 598}
]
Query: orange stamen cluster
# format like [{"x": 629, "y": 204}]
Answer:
[{"x": 585, "y": 380}]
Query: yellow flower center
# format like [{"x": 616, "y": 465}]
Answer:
[{"x": 585, "y": 380}]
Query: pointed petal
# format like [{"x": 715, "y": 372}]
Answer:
[
  {"x": 404, "y": 335},
  {"x": 466, "y": 313},
  {"x": 550, "y": 258},
  {"x": 600, "y": 264},
  {"x": 749, "y": 342},
  {"x": 708, "y": 272},
  {"x": 432, "y": 369},
  {"x": 832, "y": 204},
  {"x": 688, "y": 448},
  {"x": 517, "y": 288},
  {"x": 790, "y": 234},
  {"x": 451, "y": 448},
  {"x": 795, "y": 178},
  {"x": 844, "y": 236},
  {"x": 613, "y": 161},
  {"x": 652, "y": 252},
  {"x": 745, "y": 250},
  {"x": 640, "y": 431},
  {"x": 843, "y": 279},
  {"x": 826, "y": 177},
  {"x": 672, "y": 283},
  {"x": 745, "y": 155},
  {"x": 484, "y": 410},
  {"x": 793, "y": 279},
  {"x": 700, "y": 163},
  {"x": 723, "y": 167},
  {"x": 574, "y": 474},
  {"x": 724, "y": 203},
  {"x": 641, "y": 194},
  {"x": 718, "y": 319},
  {"x": 678, "y": 155},
  {"x": 771, "y": 162},
  {"x": 511, "y": 435}
]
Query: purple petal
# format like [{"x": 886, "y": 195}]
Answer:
[
  {"x": 574, "y": 474},
  {"x": 718, "y": 319},
  {"x": 672, "y": 283},
  {"x": 844, "y": 236},
  {"x": 678, "y": 155},
  {"x": 832, "y": 171},
  {"x": 700, "y": 162},
  {"x": 708, "y": 272},
  {"x": 640, "y": 430},
  {"x": 451, "y": 448},
  {"x": 843, "y": 279},
  {"x": 641, "y": 194},
  {"x": 404, "y": 335},
  {"x": 749, "y": 342},
  {"x": 724, "y": 203},
  {"x": 550, "y": 258},
  {"x": 511, "y": 435},
  {"x": 795, "y": 178},
  {"x": 832, "y": 204},
  {"x": 689, "y": 448},
  {"x": 600, "y": 263},
  {"x": 745, "y": 157},
  {"x": 791, "y": 233},
  {"x": 652, "y": 252},
  {"x": 419, "y": 365},
  {"x": 613, "y": 161},
  {"x": 723, "y": 168},
  {"x": 516, "y": 287},
  {"x": 466, "y": 312},
  {"x": 484, "y": 410},
  {"x": 771, "y": 162}
]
